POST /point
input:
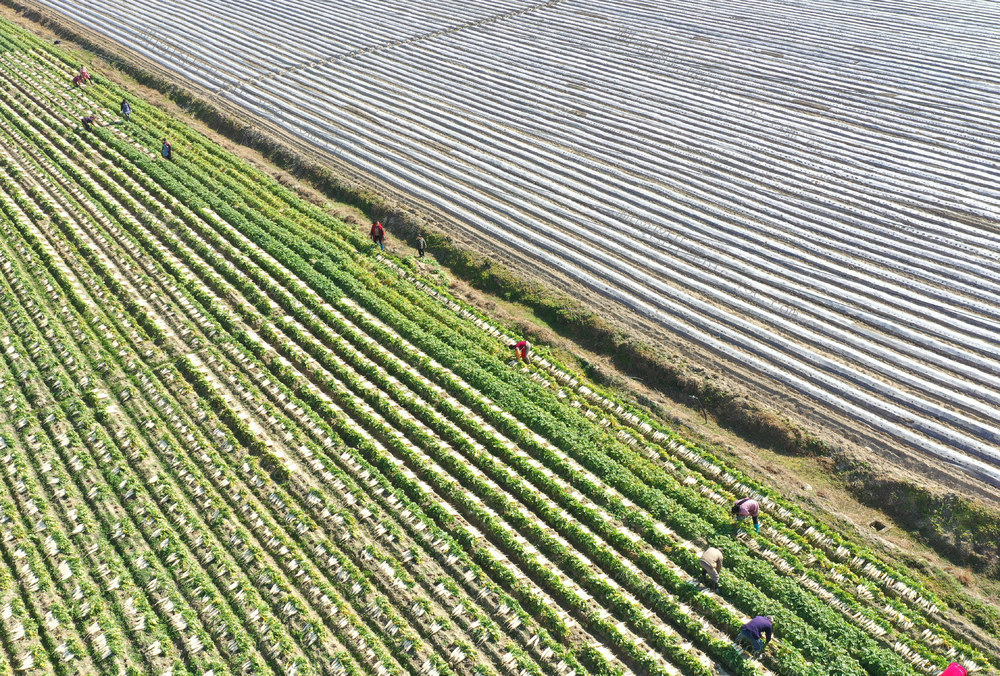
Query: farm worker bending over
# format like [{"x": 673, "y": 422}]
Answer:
[
  {"x": 747, "y": 507},
  {"x": 378, "y": 234},
  {"x": 421, "y": 245},
  {"x": 167, "y": 151},
  {"x": 126, "y": 109},
  {"x": 955, "y": 669},
  {"x": 521, "y": 350},
  {"x": 711, "y": 566},
  {"x": 77, "y": 80},
  {"x": 87, "y": 121},
  {"x": 752, "y": 631}
]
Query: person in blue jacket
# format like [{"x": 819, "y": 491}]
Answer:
[
  {"x": 755, "y": 631},
  {"x": 167, "y": 151},
  {"x": 126, "y": 110}
]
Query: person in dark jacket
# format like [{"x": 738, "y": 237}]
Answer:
[
  {"x": 167, "y": 150},
  {"x": 421, "y": 245},
  {"x": 758, "y": 632},
  {"x": 88, "y": 121},
  {"x": 378, "y": 234},
  {"x": 126, "y": 110},
  {"x": 747, "y": 508}
]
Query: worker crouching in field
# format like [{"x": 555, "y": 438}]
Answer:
[
  {"x": 521, "y": 350},
  {"x": 711, "y": 567},
  {"x": 167, "y": 150},
  {"x": 747, "y": 508},
  {"x": 955, "y": 669},
  {"x": 757, "y": 633},
  {"x": 81, "y": 78}
]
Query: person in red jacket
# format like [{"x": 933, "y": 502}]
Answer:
[
  {"x": 378, "y": 234},
  {"x": 955, "y": 669},
  {"x": 521, "y": 349},
  {"x": 747, "y": 507}
]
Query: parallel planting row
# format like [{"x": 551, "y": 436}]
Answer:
[
  {"x": 232, "y": 440},
  {"x": 789, "y": 186}
]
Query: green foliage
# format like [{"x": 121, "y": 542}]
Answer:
[{"x": 394, "y": 396}]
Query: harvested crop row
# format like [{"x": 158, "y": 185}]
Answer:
[{"x": 296, "y": 461}]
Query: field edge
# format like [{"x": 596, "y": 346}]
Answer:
[{"x": 953, "y": 525}]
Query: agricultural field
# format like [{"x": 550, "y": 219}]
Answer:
[
  {"x": 234, "y": 438},
  {"x": 803, "y": 191}
]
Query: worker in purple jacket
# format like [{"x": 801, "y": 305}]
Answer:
[
  {"x": 753, "y": 632},
  {"x": 747, "y": 507}
]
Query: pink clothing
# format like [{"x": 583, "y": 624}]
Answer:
[
  {"x": 955, "y": 669},
  {"x": 749, "y": 508}
]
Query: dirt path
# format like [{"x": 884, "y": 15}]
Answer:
[
  {"x": 802, "y": 477},
  {"x": 855, "y": 440}
]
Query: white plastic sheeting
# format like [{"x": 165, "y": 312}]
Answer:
[{"x": 808, "y": 189}]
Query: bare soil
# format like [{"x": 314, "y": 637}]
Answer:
[
  {"x": 834, "y": 429},
  {"x": 814, "y": 482}
]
